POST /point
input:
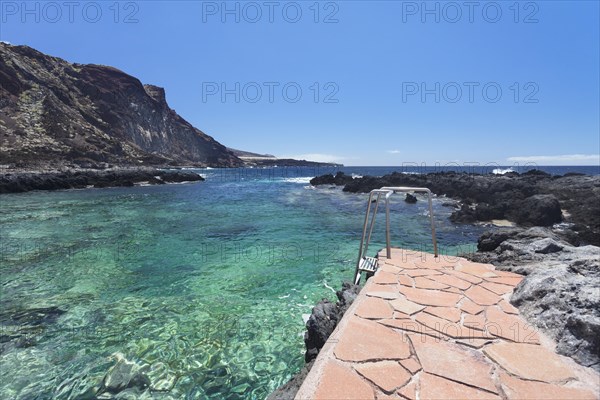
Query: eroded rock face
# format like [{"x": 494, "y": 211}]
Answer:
[
  {"x": 325, "y": 317},
  {"x": 58, "y": 113},
  {"x": 561, "y": 292}
]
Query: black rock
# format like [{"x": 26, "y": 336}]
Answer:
[
  {"x": 538, "y": 210},
  {"x": 490, "y": 240},
  {"x": 24, "y": 182},
  {"x": 339, "y": 179},
  {"x": 410, "y": 199}
]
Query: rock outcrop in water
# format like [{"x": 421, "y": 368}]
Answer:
[
  {"x": 561, "y": 292},
  {"x": 533, "y": 198},
  {"x": 54, "y": 113},
  {"x": 24, "y": 182}
]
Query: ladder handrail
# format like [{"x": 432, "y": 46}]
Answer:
[
  {"x": 406, "y": 189},
  {"x": 363, "y": 249},
  {"x": 388, "y": 191}
]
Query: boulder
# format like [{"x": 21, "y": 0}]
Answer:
[{"x": 537, "y": 210}]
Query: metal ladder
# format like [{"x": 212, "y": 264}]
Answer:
[{"x": 370, "y": 264}]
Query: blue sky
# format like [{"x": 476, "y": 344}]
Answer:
[{"x": 356, "y": 82}]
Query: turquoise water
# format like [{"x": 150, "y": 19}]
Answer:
[{"x": 204, "y": 284}]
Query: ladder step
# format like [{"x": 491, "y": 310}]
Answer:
[{"x": 368, "y": 264}]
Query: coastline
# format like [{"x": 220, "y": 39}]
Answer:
[
  {"x": 24, "y": 181},
  {"x": 561, "y": 267}
]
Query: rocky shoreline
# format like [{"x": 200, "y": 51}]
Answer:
[
  {"x": 534, "y": 198},
  {"x": 560, "y": 294},
  {"x": 23, "y": 181}
]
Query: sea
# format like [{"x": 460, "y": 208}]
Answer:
[{"x": 205, "y": 286}]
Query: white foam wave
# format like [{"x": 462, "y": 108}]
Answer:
[
  {"x": 303, "y": 179},
  {"x": 500, "y": 171},
  {"x": 356, "y": 176}
]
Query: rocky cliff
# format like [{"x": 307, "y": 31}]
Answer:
[{"x": 54, "y": 113}]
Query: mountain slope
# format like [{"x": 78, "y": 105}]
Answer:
[{"x": 54, "y": 113}]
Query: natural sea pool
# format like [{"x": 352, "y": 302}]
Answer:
[{"x": 206, "y": 284}]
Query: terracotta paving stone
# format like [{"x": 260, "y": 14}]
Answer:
[
  {"x": 451, "y": 336},
  {"x": 529, "y": 361},
  {"x": 430, "y": 297},
  {"x": 466, "y": 277},
  {"x": 431, "y": 263},
  {"x": 411, "y": 365},
  {"x": 454, "y": 362},
  {"x": 388, "y": 375},
  {"x": 507, "y": 274},
  {"x": 365, "y": 340},
  {"x": 497, "y": 288},
  {"x": 425, "y": 283},
  {"x": 509, "y": 326},
  {"x": 422, "y": 272},
  {"x": 374, "y": 308},
  {"x": 409, "y": 391},
  {"x": 470, "y": 307},
  {"x": 506, "y": 280},
  {"x": 451, "y": 281},
  {"x": 373, "y": 287},
  {"x": 405, "y": 280},
  {"x": 448, "y": 329},
  {"x": 388, "y": 295},
  {"x": 518, "y": 389},
  {"x": 400, "y": 315},
  {"x": 434, "y": 387},
  {"x": 475, "y": 321},
  {"x": 451, "y": 314},
  {"x": 340, "y": 382},
  {"x": 476, "y": 269},
  {"x": 474, "y": 343},
  {"x": 406, "y": 306},
  {"x": 453, "y": 290},
  {"x": 386, "y": 278},
  {"x": 507, "y": 307},
  {"x": 383, "y": 396},
  {"x": 412, "y": 326},
  {"x": 482, "y": 296}
]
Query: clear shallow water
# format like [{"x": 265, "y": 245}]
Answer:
[{"x": 205, "y": 283}]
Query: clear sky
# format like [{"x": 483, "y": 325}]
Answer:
[{"x": 356, "y": 82}]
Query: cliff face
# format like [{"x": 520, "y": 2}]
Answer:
[{"x": 53, "y": 113}]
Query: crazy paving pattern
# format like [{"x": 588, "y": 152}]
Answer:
[{"x": 441, "y": 328}]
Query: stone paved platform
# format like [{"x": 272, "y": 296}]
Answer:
[{"x": 441, "y": 328}]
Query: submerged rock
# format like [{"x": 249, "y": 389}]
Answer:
[
  {"x": 321, "y": 323},
  {"x": 123, "y": 375}
]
